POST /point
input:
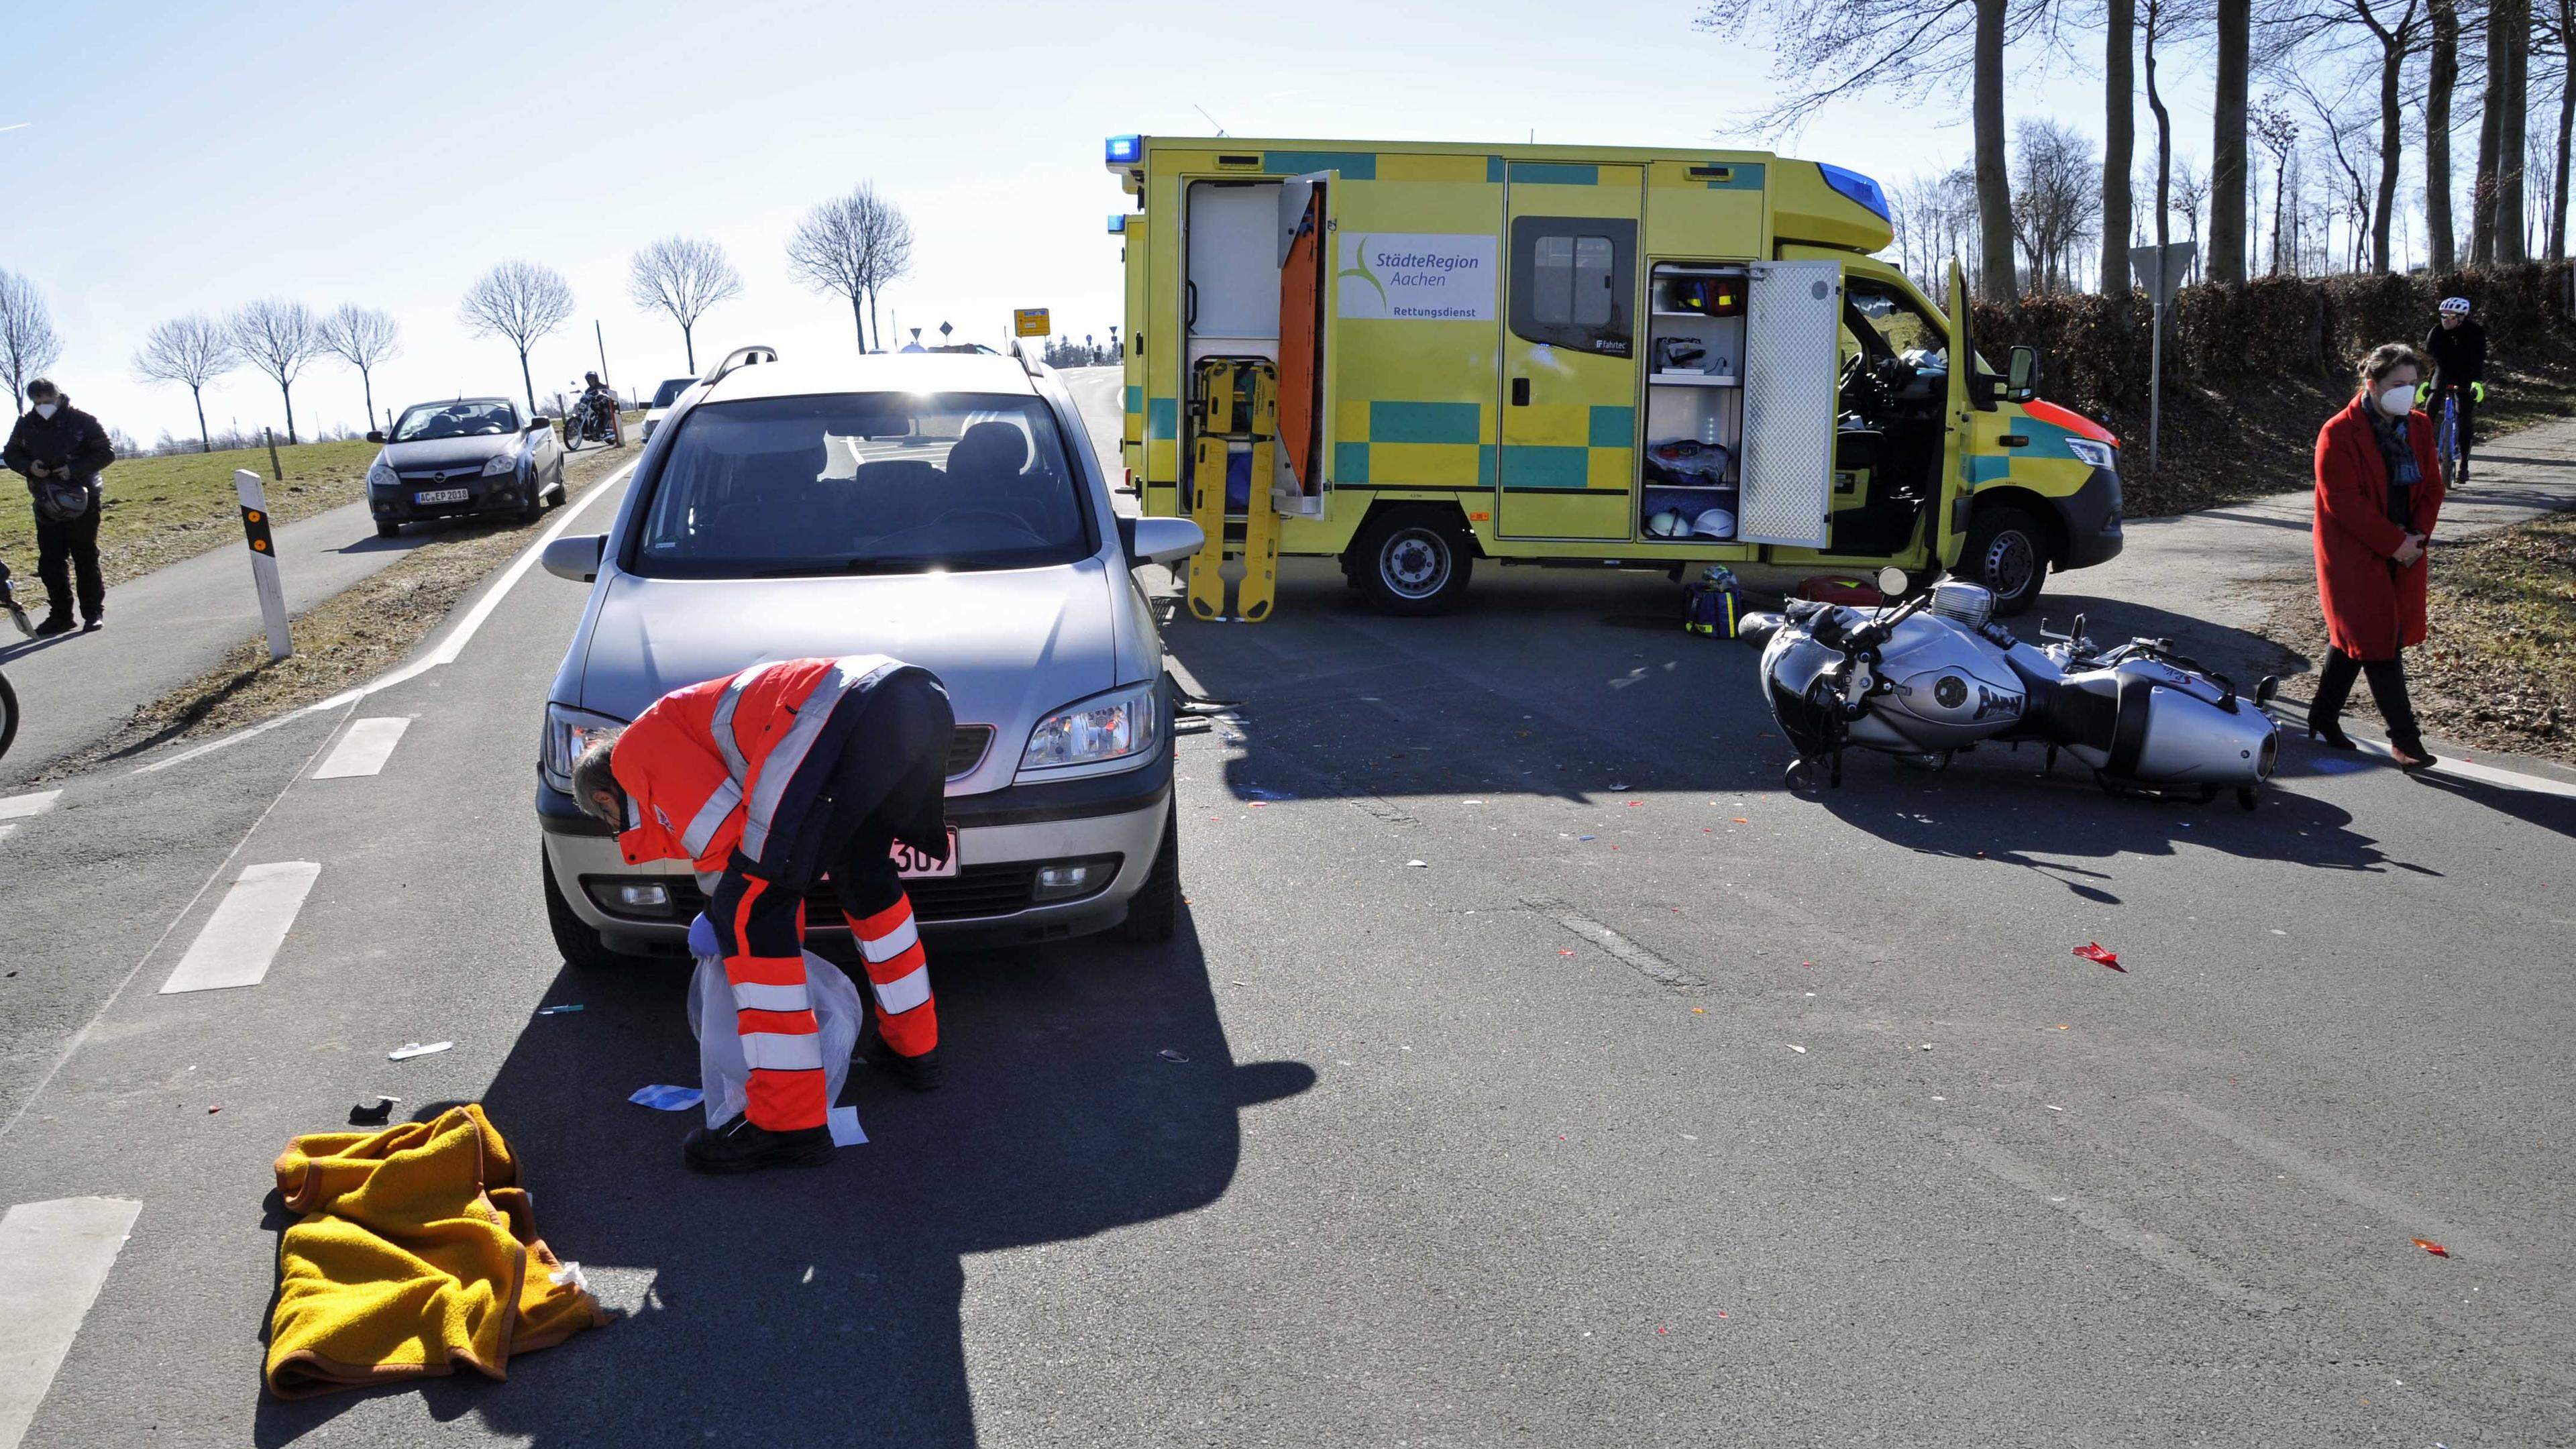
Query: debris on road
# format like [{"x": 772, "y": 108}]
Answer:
[
  {"x": 2052, "y": 1106},
  {"x": 2094, "y": 952},
  {"x": 363, "y": 1115},
  {"x": 2436, "y": 1249},
  {"x": 1793, "y": 1046},
  {"x": 665, "y": 1098},
  {"x": 1417, "y": 864},
  {"x": 411, "y": 1049},
  {"x": 559, "y": 1010},
  {"x": 1170, "y": 1055}
]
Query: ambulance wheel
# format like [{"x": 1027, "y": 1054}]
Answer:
[
  {"x": 2007, "y": 552},
  {"x": 1153, "y": 914},
  {"x": 579, "y": 945},
  {"x": 1413, "y": 561}
]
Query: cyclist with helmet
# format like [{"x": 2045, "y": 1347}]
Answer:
[{"x": 2457, "y": 348}]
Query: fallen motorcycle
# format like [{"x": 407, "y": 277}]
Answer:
[{"x": 1936, "y": 676}]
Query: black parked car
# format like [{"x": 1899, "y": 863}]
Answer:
[{"x": 474, "y": 455}]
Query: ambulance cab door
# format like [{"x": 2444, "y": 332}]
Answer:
[
  {"x": 1792, "y": 359},
  {"x": 1567, "y": 455},
  {"x": 1305, "y": 244},
  {"x": 1950, "y": 518}
]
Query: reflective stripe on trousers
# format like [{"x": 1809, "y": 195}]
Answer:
[
  {"x": 899, "y": 974},
  {"x": 781, "y": 1041}
]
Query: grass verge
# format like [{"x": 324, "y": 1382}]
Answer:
[
  {"x": 2499, "y": 669},
  {"x": 161, "y": 510},
  {"x": 343, "y": 640}
]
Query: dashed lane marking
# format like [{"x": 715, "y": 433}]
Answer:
[
  {"x": 249, "y": 924},
  {"x": 364, "y": 749},
  {"x": 54, "y": 1259},
  {"x": 19, "y": 807}
]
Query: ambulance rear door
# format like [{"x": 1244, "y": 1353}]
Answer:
[
  {"x": 1792, "y": 356},
  {"x": 1305, "y": 214}
]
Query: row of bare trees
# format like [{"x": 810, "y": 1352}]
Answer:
[
  {"x": 2373, "y": 73},
  {"x": 276, "y": 337}
]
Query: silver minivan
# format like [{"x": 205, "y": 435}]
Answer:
[{"x": 946, "y": 510}]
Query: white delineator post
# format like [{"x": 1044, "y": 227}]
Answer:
[{"x": 263, "y": 561}]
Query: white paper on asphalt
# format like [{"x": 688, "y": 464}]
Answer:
[
  {"x": 54, "y": 1259},
  {"x": 364, "y": 749},
  {"x": 844, "y": 1122},
  {"x": 249, "y": 924}
]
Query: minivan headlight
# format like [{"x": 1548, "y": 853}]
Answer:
[
  {"x": 1121, "y": 724},
  {"x": 569, "y": 731},
  {"x": 2099, "y": 455}
]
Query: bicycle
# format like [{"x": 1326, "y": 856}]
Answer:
[{"x": 2446, "y": 439}]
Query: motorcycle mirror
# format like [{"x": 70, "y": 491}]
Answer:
[{"x": 1891, "y": 581}]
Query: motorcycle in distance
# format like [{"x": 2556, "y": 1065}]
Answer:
[
  {"x": 1936, "y": 676},
  {"x": 592, "y": 418}
]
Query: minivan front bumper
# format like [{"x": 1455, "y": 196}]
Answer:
[{"x": 1005, "y": 838}]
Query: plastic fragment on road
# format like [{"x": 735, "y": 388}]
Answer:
[
  {"x": 1740, "y": 820},
  {"x": 559, "y": 1010},
  {"x": 1418, "y": 864},
  {"x": 2436, "y": 1249},
  {"x": 364, "y": 1115},
  {"x": 1793, "y": 1046},
  {"x": 2052, "y": 1106},
  {"x": 1584, "y": 837},
  {"x": 2093, "y": 952},
  {"x": 1563, "y": 952},
  {"x": 411, "y": 1049},
  {"x": 1254, "y": 804},
  {"x": 210, "y": 1111},
  {"x": 662, "y": 1097},
  {"x": 1695, "y": 1011},
  {"x": 1170, "y": 1055},
  {"x": 1618, "y": 784}
]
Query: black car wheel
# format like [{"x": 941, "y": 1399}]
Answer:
[
  {"x": 388, "y": 530},
  {"x": 1413, "y": 561},
  {"x": 2008, "y": 553}
]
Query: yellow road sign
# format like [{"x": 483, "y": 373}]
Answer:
[{"x": 1030, "y": 322}]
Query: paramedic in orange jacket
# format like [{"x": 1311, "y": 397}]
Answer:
[{"x": 774, "y": 776}]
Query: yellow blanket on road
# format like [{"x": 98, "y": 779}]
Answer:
[{"x": 416, "y": 1252}]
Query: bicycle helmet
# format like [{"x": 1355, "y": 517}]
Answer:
[{"x": 2459, "y": 305}]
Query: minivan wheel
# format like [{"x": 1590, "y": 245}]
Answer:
[
  {"x": 2007, "y": 552},
  {"x": 579, "y": 945},
  {"x": 1153, "y": 915},
  {"x": 1413, "y": 561}
]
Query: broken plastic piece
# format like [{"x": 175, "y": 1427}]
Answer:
[
  {"x": 1793, "y": 1046},
  {"x": 411, "y": 1049},
  {"x": 559, "y": 1010},
  {"x": 844, "y": 1122},
  {"x": 382, "y": 1112},
  {"x": 2094, "y": 952},
  {"x": 1170, "y": 1055},
  {"x": 2436, "y": 1249},
  {"x": 1421, "y": 864},
  {"x": 665, "y": 1098}
]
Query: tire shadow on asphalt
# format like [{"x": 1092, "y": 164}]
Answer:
[{"x": 1089, "y": 1086}]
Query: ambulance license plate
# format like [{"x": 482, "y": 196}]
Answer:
[
  {"x": 440, "y": 495},
  {"x": 911, "y": 864}
]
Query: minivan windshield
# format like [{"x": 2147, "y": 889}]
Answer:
[
  {"x": 876, "y": 482},
  {"x": 456, "y": 420}
]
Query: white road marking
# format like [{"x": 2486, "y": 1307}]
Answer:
[
  {"x": 2154, "y": 1247},
  {"x": 1617, "y": 945},
  {"x": 2405, "y": 1216},
  {"x": 249, "y": 924},
  {"x": 448, "y": 648},
  {"x": 54, "y": 1259},
  {"x": 365, "y": 748},
  {"x": 19, "y": 807}
]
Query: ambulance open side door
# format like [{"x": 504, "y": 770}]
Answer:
[
  {"x": 1958, "y": 414},
  {"x": 1792, "y": 362},
  {"x": 1305, "y": 251}
]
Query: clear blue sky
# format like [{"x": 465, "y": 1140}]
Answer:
[{"x": 187, "y": 157}]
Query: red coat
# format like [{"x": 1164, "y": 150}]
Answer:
[{"x": 2373, "y": 608}]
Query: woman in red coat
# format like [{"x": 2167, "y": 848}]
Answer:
[{"x": 2378, "y": 493}]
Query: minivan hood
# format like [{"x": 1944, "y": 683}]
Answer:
[
  {"x": 448, "y": 452},
  {"x": 1011, "y": 645}
]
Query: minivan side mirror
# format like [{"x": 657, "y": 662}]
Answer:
[
  {"x": 2021, "y": 383},
  {"x": 375, "y": 435},
  {"x": 575, "y": 556},
  {"x": 1160, "y": 540}
]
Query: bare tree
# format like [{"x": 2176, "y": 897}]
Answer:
[
  {"x": 280, "y": 339},
  {"x": 853, "y": 247},
  {"x": 1827, "y": 49},
  {"x": 28, "y": 342},
  {"x": 2441, "y": 75},
  {"x": 520, "y": 301},
  {"x": 683, "y": 276},
  {"x": 364, "y": 338},
  {"x": 2190, "y": 195},
  {"x": 2057, "y": 203},
  {"x": 190, "y": 351},
  {"x": 2305, "y": 32},
  {"x": 2496, "y": 217},
  {"x": 2227, "y": 147},
  {"x": 2277, "y": 131},
  {"x": 2558, "y": 24}
]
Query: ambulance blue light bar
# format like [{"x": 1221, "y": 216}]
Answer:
[
  {"x": 1125, "y": 150},
  {"x": 1858, "y": 187}
]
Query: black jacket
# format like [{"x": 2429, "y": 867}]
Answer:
[
  {"x": 69, "y": 436},
  {"x": 2459, "y": 354}
]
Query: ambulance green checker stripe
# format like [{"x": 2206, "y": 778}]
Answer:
[{"x": 1535, "y": 468}]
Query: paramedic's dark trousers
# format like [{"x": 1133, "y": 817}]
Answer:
[
  {"x": 66, "y": 549},
  {"x": 761, "y": 927}
]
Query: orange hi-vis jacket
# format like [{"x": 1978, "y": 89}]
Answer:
[{"x": 707, "y": 767}]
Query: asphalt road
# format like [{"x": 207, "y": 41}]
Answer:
[{"x": 1549, "y": 1075}]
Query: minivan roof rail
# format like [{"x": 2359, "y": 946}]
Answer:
[{"x": 740, "y": 357}]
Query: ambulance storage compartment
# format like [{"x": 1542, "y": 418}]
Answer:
[{"x": 1694, "y": 402}]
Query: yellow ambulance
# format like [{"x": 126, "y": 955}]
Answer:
[{"x": 1604, "y": 356}]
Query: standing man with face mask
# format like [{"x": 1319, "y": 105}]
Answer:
[
  {"x": 61, "y": 451},
  {"x": 2457, "y": 348}
]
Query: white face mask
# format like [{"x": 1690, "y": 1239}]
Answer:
[
  {"x": 2397, "y": 401},
  {"x": 46, "y": 410}
]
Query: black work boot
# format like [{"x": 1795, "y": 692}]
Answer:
[
  {"x": 920, "y": 1073},
  {"x": 54, "y": 624},
  {"x": 738, "y": 1146}
]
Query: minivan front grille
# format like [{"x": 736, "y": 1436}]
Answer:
[{"x": 966, "y": 747}]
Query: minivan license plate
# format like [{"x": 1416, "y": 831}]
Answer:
[
  {"x": 440, "y": 495},
  {"x": 911, "y": 864}
]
